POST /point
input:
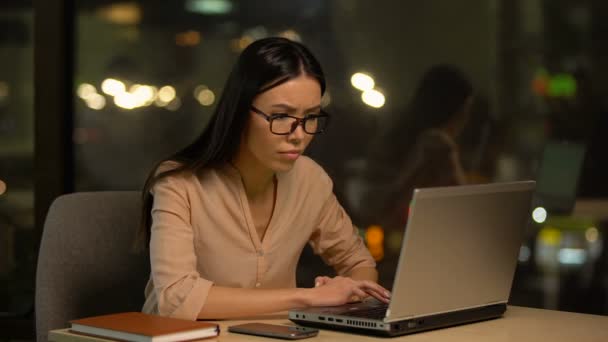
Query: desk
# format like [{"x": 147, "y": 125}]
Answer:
[{"x": 519, "y": 324}]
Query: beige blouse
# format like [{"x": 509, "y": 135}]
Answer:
[{"x": 203, "y": 234}]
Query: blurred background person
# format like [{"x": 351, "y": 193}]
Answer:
[{"x": 420, "y": 148}]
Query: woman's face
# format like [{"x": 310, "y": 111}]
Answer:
[
  {"x": 297, "y": 97},
  {"x": 461, "y": 119}
]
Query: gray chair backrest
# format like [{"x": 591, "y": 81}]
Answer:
[{"x": 86, "y": 265}]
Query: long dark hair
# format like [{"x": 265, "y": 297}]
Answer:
[
  {"x": 441, "y": 94},
  {"x": 264, "y": 64}
]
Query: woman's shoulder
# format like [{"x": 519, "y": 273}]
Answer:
[
  {"x": 308, "y": 173},
  {"x": 167, "y": 166},
  {"x": 170, "y": 171},
  {"x": 435, "y": 140},
  {"x": 307, "y": 166}
]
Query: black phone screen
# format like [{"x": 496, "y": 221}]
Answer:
[{"x": 274, "y": 330}]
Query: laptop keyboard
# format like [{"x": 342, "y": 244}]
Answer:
[{"x": 375, "y": 312}]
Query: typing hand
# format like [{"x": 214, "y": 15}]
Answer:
[
  {"x": 342, "y": 290},
  {"x": 322, "y": 280}
]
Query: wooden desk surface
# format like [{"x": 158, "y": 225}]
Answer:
[{"x": 519, "y": 324}]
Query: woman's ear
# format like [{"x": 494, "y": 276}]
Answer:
[{"x": 2, "y": 187}]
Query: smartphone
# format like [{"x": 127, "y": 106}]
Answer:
[{"x": 288, "y": 332}]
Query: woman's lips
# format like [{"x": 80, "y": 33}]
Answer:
[{"x": 291, "y": 155}]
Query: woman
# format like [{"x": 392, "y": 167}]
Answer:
[
  {"x": 227, "y": 217},
  {"x": 421, "y": 147},
  {"x": 438, "y": 113}
]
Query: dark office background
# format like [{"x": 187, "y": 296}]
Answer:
[{"x": 94, "y": 92}]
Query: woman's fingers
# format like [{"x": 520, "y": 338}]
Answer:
[
  {"x": 359, "y": 292},
  {"x": 355, "y": 299},
  {"x": 376, "y": 287},
  {"x": 378, "y": 295},
  {"x": 375, "y": 291},
  {"x": 351, "y": 290}
]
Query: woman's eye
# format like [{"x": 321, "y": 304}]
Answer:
[{"x": 280, "y": 116}]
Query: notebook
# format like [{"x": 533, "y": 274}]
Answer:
[
  {"x": 456, "y": 265},
  {"x": 141, "y": 327}
]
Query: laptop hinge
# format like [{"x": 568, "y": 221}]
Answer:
[
  {"x": 388, "y": 313},
  {"x": 387, "y": 320},
  {"x": 495, "y": 302}
]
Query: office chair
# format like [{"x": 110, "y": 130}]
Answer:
[{"x": 86, "y": 264}]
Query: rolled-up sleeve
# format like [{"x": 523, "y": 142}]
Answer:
[
  {"x": 336, "y": 239},
  {"x": 178, "y": 287}
]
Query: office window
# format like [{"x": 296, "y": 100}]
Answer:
[
  {"x": 148, "y": 75},
  {"x": 17, "y": 234}
]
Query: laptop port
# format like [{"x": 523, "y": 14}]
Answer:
[
  {"x": 321, "y": 318},
  {"x": 330, "y": 319},
  {"x": 339, "y": 320}
]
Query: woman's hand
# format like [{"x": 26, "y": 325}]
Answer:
[
  {"x": 322, "y": 280},
  {"x": 341, "y": 290}
]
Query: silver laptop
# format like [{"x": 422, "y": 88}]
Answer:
[{"x": 456, "y": 265}]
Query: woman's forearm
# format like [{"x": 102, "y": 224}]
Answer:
[{"x": 227, "y": 302}]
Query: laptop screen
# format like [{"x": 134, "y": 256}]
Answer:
[{"x": 558, "y": 176}]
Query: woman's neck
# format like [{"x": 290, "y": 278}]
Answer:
[{"x": 257, "y": 179}]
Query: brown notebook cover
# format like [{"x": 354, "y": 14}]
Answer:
[{"x": 137, "y": 326}]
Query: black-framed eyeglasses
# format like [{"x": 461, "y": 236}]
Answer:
[{"x": 284, "y": 124}]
